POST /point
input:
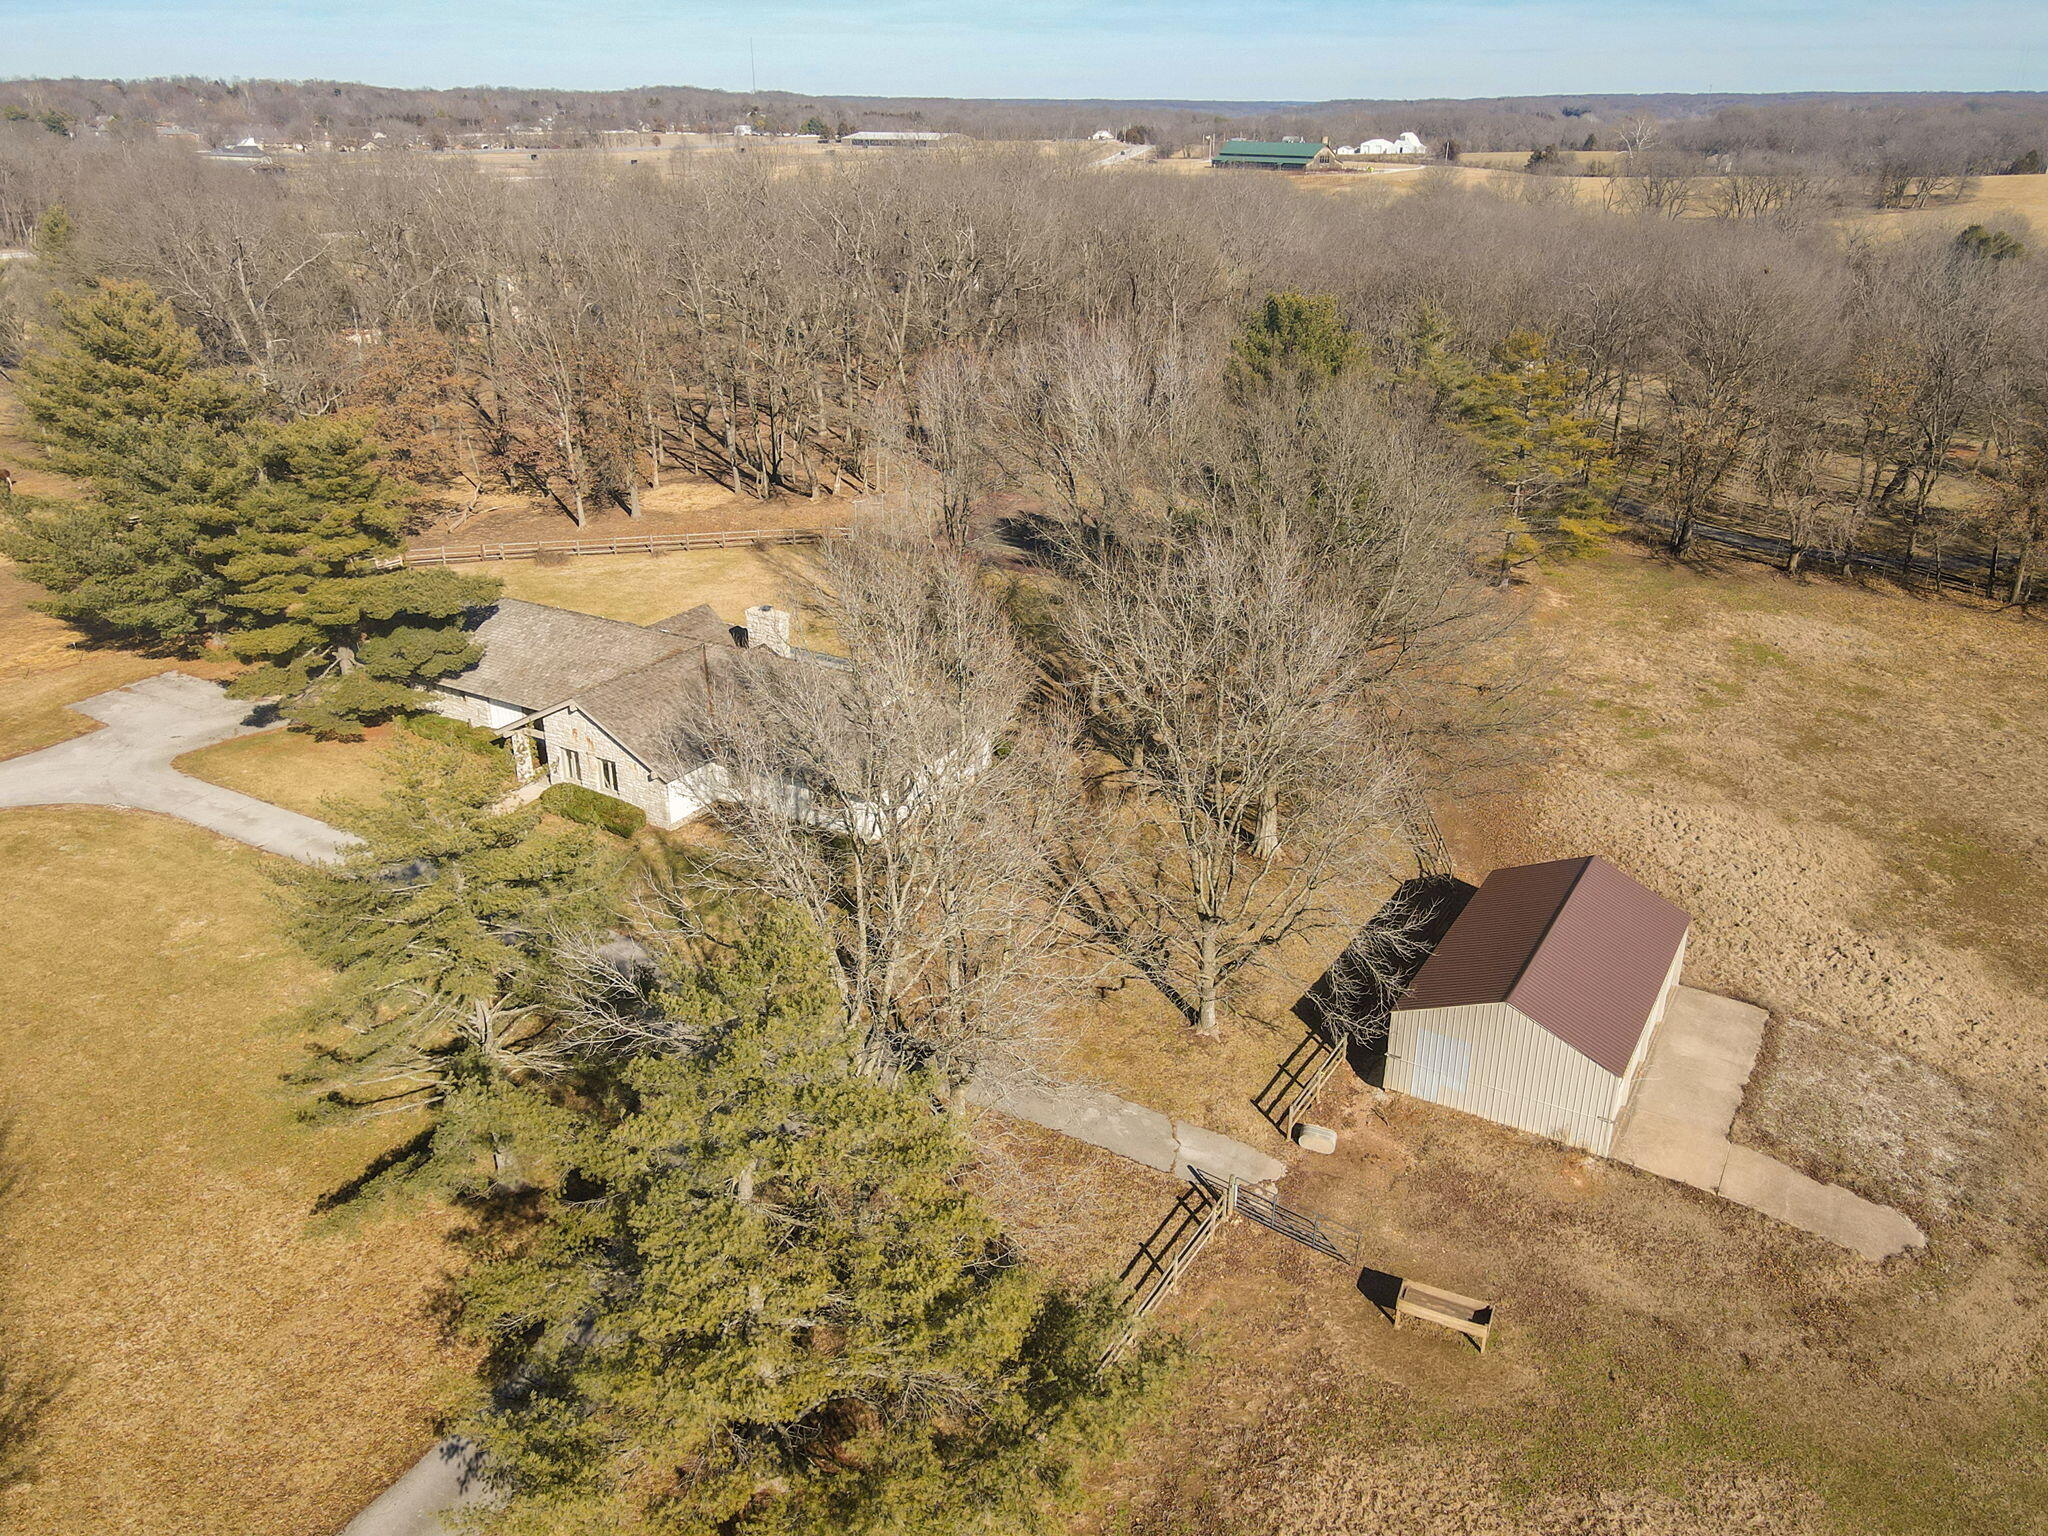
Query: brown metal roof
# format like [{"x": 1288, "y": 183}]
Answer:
[{"x": 1575, "y": 944}]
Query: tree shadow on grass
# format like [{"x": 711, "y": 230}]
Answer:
[{"x": 30, "y": 1384}]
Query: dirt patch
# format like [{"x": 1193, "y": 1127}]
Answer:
[
  {"x": 1075, "y": 1210},
  {"x": 1904, "y": 1132}
]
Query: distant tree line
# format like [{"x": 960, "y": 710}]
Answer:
[
  {"x": 1985, "y": 132},
  {"x": 997, "y": 319}
]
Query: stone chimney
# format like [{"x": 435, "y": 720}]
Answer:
[{"x": 768, "y": 630}]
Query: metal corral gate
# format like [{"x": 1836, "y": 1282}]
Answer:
[{"x": 1318, "y": 1232}]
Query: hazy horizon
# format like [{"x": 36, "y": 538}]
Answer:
[{"x": 1291, "y": 51}]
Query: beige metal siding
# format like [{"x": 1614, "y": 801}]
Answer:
[
  {"x": 1491, "y": 1060},
  {"x": 1624, "y": 1085}
]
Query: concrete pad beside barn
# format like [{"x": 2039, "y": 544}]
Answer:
[
  {"x": 1690, "y": 1086},
  {"x": 1143, "y": 1135},
  {"x": 1683, "y": 1106}
]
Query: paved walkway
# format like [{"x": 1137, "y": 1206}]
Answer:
[
  {"x": 439, "y": 1483},
  {"x": 1679, "y": 1115},
  {"x": 1130, "y": 1130},
  {"x": 128, "y": 764}
]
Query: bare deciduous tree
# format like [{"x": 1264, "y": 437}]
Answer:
[
  {"x": 1231, "y": 683},
  {"x": 908, "y": 806}
]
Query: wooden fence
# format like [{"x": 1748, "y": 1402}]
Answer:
[
  {"x": 1328, "y": 1054},
  {"x": 1221, "y": 1197},
  {"x": 1966, "y": 571},
  {"x": 623, "y": 544}
]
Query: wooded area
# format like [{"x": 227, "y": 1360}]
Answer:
[{"x": 994, "y": 319}]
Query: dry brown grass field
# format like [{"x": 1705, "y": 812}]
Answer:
[
  {"x": 291, "y": 769},
  {"x": 1841, "y": 785},
  {"x": 222, "y": 1362},
  {"x": 1991, "y": 198},
  {"x": 641, "y": 589},
  {"x": 679, "y": 153},
  {"x": 685, "y": 504}
]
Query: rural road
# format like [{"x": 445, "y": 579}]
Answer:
[
  {"x": 128, "y": 765},
  {"x": 1123, "y": 156}
]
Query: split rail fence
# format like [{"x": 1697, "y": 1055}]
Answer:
[
  {"x": 624, "y": 544},
  {"x": 1222, "y": 1198},
  {"x": 1324, "y": 1060},
  {"x": 1968, "y": 571}
]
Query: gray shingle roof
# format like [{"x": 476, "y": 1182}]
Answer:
[
  {"x": 655, "y": 710},
  {"x": 535, "y": 655},
  {"x": 699, "y": 623}
]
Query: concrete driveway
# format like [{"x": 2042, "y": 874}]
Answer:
[
  {"x": 1683, "y": 1106},
  {"x": 127, "y": 764},
  {"x": 439, "y": 1483}
]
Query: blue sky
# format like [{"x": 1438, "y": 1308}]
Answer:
[{"x": 1208, "y": 49}]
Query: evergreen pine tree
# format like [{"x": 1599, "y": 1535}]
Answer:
[
  {"x": 1299, "y": 335},
  {"x": 1555, "y": 470},
  {"x": 770, "y": 1307},
  {"x": 441, "y": 926},
  {"x": 1434, "y": 363},
  {"x": 338, "y": 640},
  {"x": 113, "y": 398}
]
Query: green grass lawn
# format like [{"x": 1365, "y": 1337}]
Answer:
[{"x": 222, "y": 1363}]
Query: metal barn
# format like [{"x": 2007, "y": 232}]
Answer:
[
  {"x": 1283, "y": 155},
  {"x": 1538, "y": 1005}
]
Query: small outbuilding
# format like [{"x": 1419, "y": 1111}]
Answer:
[{"x": 1537, "y": 1007}]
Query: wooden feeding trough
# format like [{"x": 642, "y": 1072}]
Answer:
[{"x": 1447, "y": 1309}]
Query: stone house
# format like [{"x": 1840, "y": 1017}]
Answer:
[{"x": 608, "y": 705}]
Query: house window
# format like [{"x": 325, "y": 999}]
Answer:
[
  {"x": 572, "y": 764},
  {"x": 608, "y": 775}
]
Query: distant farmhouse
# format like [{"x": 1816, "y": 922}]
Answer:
[
  {"x": 612, "y": 706},
  {"x": 1537, "y": 1008},
  {"x": 1406, "y": 144},
  {"x": 1281, "y": 155}
]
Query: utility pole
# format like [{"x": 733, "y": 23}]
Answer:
[{"x": 753, "y": 76}]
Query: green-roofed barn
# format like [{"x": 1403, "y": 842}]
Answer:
[{"x": 1285, "y": 155}]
